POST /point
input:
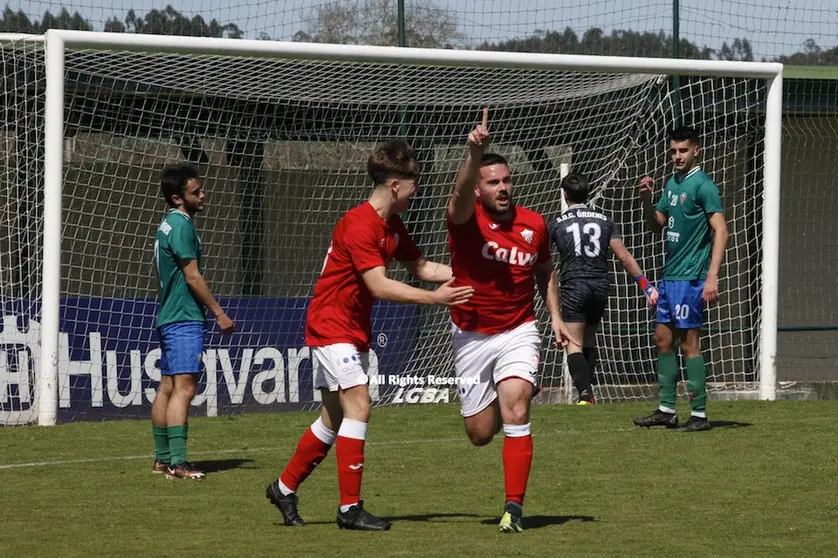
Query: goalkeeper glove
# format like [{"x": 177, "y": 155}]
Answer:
[{"x": 645, "y": 286}]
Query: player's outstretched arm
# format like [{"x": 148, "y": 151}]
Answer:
[
  {"x": 200, "y": 288},
  {"x": 384, "y": 288},
  {"x": 654, "y": 218},
  {"x": 548, "y": 286},
  {"x": 633, "y": 268},
  {"x": 720, "y": 234},
  {"x": 461, "y": 206},
  {"x": 432, "y": 272}
]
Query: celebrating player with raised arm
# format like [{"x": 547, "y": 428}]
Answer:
[
  {"x": 503, "y": 251},
  {"x": 183, "y": 295},
  {"x": 338, "y": 330},
  {"x": 583, "y": 237},
  {"x": 696, "y": 236}
]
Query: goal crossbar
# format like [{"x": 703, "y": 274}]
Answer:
[
  {"x": 57, "y": 42},
  {"x": 388, "y": 54}
]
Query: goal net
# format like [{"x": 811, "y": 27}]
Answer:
[{"x": 281, "y": 144}]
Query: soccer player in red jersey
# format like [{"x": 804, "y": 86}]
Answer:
[
  {"x": 338, "y": 330},
  {"x": 501, "y": 250}
]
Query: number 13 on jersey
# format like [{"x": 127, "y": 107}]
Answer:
[{"x": 592, "y": 232}]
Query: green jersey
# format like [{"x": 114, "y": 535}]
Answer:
[
  {"x": 688, "y": 203},
  {"x": 176, "y": 240}
]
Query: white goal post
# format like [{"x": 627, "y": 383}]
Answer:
[{"x": 58, "y": 43}]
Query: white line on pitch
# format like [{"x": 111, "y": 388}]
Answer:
[
  {"x": 206, "y": 452},
  {"x": 261, "y": 450}
]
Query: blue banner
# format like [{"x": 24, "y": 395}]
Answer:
[{"x": 109, "y": 357}]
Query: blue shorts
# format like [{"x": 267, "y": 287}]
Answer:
[
  {"x": 680, "y": 302},
  {"x": 181, "y": 348}
]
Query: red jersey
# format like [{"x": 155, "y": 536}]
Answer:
[
  {"x": 340, "y": 311},
  {"x": 497, "y": 259}
]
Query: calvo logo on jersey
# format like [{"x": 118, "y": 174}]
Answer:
[
  {"x": 683, "y": 197},
  {"x": 493, "y": 251}
]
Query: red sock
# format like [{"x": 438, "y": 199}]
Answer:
[
  {"x": 517, "y": 460},
  {"x": 350, "y": 456},
  {"x": 312, "y": 448}
]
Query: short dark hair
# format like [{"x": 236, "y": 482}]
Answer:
[
  {"x": 173, "y": 180},
  {"x": 576, "y": 187},
  {"x": 493, "y": 159},
  {"x": 684, "y": 133},
  {"x": 392, "y": 159}
]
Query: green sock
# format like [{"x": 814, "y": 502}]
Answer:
[
  {"x": 177, "y": 443},
  {"x": 667, "y": 378},
  {"x": 696, "y": 384},
  {"x": 161, "y": 444}
]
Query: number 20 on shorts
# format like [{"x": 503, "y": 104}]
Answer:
[{"x": 682, "y": 311}]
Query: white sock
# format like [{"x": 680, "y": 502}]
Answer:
[
  {"x": 699, "y": 414},
  {"x": 516, "y": 430},
  {"x": 355, "y": 429},
  {"x": 322, "y": 433},
  {"x": 284, "y": 489},
  {"x": 666, "y": 410},
  {"x": 345, "y": 507}
]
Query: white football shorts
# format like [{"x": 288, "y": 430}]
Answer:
[
  {"x": 339, "y": 366},
  {"x": 482, "y": 361}
]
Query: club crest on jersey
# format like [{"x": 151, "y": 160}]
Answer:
[
  {"x": 527, "y": 234},
  {"x": 683, "y": 197},
  {"x": 492, "y": 251},
  {"x": 383, "y": 241}
]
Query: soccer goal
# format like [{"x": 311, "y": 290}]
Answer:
[{"x": 280, "y": 132}]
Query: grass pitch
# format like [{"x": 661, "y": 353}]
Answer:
[{"x": 763, "y": 482}]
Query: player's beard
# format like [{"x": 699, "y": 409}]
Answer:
[
  {"x": 193, "y": 208},
  {"x": 493, "y": 207},
  {"x": 401, "y": 206}
]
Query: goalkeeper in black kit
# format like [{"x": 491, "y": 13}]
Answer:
[{"x": 583, "y": 237}]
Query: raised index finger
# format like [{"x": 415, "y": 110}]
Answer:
[{"x": 485, "y": 116}]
